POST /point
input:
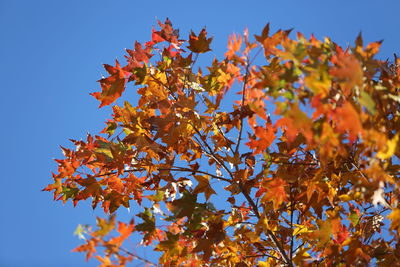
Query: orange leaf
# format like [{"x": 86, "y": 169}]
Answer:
[
  {"x": 348, "y": 70},
  {"x": 203, "y": 186},
  {"x": 275, "y": 192},
  {"x": 89, "y": 248},
  {"x": 348, "y": 120},
  {"x": 200, "y": 43},
  {"x": 112, "y": 86},
  {"x": 234, "y": 43},
  {"x": 265, "y": 138},
  {"x": 125, "y": 231}
]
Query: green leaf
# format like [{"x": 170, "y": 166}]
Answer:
[
  {"x": 140, "y": 74},
  {"x": 110, "y": 129},
  {"x": 69, "y": 192},
  {"x": 184, "y": 206},
  {"x": 367, "y": 101},
  {"x": 354, "y": 219},
  {"x": 157, "y": 197},
  {"x": 149, "y": 222},
  {"x": 104, "y": 149},
  {"x": 169, "y": 244}
]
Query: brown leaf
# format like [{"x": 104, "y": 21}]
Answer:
[{"x": 200, "y": 43}]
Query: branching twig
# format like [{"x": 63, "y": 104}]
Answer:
[
  {"x": 173, "y": 168},
  {"x": 208, "y": 149}
]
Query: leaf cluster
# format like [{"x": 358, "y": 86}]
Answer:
[{"x": 298, "y": 137}]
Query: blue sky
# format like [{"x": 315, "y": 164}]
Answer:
[{"x": 50, "y": 58}]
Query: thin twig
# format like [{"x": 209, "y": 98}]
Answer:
[
  {"x": 138, "y": 257},
  {"x": 291, "y": 224},
  {"x": 173, "y": 168},
  {"x": 226, "y": 138},
  {"x": 268, "y": 232},
  {"x": 300, "y": 246},
  {"x": 242, "y": 106}
]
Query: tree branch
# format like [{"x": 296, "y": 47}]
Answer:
[{"x": 268, "y": 232}]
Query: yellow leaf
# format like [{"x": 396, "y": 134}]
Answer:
[
  {"x": 300, "y": 229},
  {"x": 253, "y": 236},
  {"x": 318, "y": 82},
  {"x": 264, "y": 223},
  {"x": 156, "y": 84},
  {"x": 324, "y": 232},
  {"x": 301, "y": 256},
  {"x": 263, "y": 264},
  {"x": 390, "y": 148},
  {"x": 358, "y": 195},
  {"x": 345, "y": 198},
  {"x": 394, "y": 216},
  {"x": 224, "y": 77}
]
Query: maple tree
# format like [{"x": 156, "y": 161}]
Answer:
[{"x": 297, "y": 137}]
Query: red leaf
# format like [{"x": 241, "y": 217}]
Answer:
[
  {"x": 341, "y": 235},
  {"x": 112, "y": 86}
]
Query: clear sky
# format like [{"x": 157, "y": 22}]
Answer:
[{"x": 51, "y": 53}]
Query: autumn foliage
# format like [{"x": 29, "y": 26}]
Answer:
[{"x": 285, "y": 152}]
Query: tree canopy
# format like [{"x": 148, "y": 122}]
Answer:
[{"x": 283, "y": 152}]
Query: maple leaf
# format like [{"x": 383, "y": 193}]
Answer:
[
  {"x": 348, "y": 70},
  {"x": 324, "y": 232},
  {"x": 105, "y": 226},
  {"x": 234, "y": 45},
  {"x": 112, "y": 86},
  {"x": 200, "y": 43},
  {"x": 295, "y": 122},
  {"x": 92, "y": 189},
  {"x": 203, "y": 186},
  {"x": 89, "y": 248},
  {"x": 105, "y": 261},
  {"x": 265, "y": 136},
  {"x": 348, "y": 120},
  {"x": 264, "y": 34},
  {"x": 138, "y": 55},
  {"x": 390, "y": 149},
  {"x": 275, "y": 192},
  {"x": 184, "y": 206},
  {"x": 125, "y": 231},
  {"x": 394, "y": 216},
  {"x": 166, "y": 33}
]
